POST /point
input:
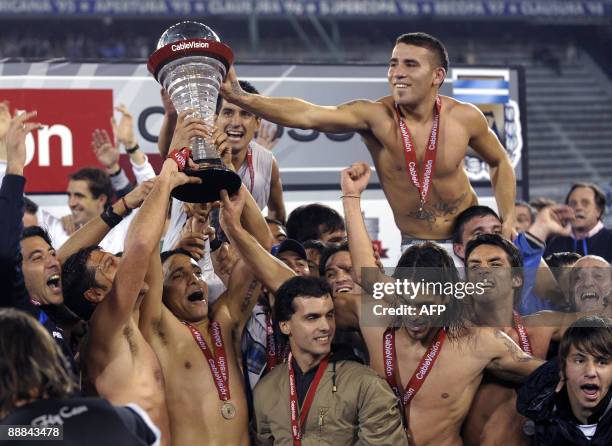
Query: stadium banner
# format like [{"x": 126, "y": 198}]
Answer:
[
  {"x": 303, "y": 8},
  {"x": 73, "y": 99}
]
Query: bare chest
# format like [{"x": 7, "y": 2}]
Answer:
[
  {"x": 390, "y": 155},
  {"x": 130, "y": 370}
]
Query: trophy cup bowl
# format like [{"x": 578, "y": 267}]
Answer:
[{"x": 190, "y": 63}]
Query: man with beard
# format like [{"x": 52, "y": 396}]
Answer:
[
  {"x": 107, "y": 291},
  {"x": 496, "y": 263},
  {"x": 198, "y": 347},
  {"x": 438, "y": 359},
  {"x": 413, "y": 127}
]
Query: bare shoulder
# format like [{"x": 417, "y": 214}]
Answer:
[{"x": 463, "y": 111}]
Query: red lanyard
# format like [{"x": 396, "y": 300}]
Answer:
[
  {"x": 249, "y": 159},
  {"x": 274, "y": 355},
  {"x": 296, "y": 427},
  {"x": 218, "y": 366},
  {"x": 420, "y": 374},
  {"x": 522, "y": 332},
  {"x": 422, "y": 184}
]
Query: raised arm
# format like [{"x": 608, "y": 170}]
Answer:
[
  {"x": 237, "y": 302},
  {"x": 354, "y": 180},
  {"x": 276, "y": 204},
  {"x": 269, "y": 270},
  {"x": 96, "y": 229},
  {"x": 488, "y": 147},
  {"x": 14, "y": 293},
  {"x": 293, "y": 112},
  {"x": 142, "y": 242},
  {"x": 506, "y": 359},
  {"x": 168, "y": 124}
]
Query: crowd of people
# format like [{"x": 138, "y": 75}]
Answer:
[{"x": 139, "y": 319}]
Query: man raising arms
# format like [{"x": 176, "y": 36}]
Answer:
[
  {"x": 417, "y": 139},
  {"x": 199, "y": 349},
  {"x": 444, "y": 390}
]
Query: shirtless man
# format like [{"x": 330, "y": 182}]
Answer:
[
  {"x": 493, "y": 419},
  {"x": 417, "y": 69},
  {"x": 206, "y": 406},
  {"x": 460, "y": 362},
  {"x": 108, "y": 292}
]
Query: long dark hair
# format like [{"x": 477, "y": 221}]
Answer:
[
  {"x": 32, "y": 365},
  {"x": 431, "y": 263}
]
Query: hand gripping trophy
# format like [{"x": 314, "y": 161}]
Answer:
[{"x": 190, "y": 63}]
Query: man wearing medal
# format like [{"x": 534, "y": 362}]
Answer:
[
  {"x": 198, "y": 348},
  {"x": 434, "y": 363},
  {"x": 493, "y": 418},
  {"x": 316, "y": 396},
  {"x": 417, "y": 139}
]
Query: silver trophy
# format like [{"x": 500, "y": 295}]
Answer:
[{"x": 190, "y": 62}]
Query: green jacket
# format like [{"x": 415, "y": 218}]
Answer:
[{"x": 363, "y": 410}]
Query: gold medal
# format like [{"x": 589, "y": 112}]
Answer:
[{"x": 228, "y": 410}]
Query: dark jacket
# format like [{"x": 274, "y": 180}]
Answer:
[
  {"x": 599, "y": 244},
  {"x": 85, "y": 421},
  {"x": 13, "y": 292},
  {"x": 555, "y": 424}
]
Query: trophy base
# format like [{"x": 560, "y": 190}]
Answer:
[{"x": 215, "y": 177}]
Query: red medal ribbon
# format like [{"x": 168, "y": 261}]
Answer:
[
  {"x": 296, "y": 427},
  {"x": 218, "y": 365},
  {"x": 180, "y": 157},
  {"x": 420, "y": 374},
  {"x": 249, "y": 159},
  {"x": 522, "y": 332},
  {"x": 274, "y": 356},
  {"x": 422, "y": 184}
]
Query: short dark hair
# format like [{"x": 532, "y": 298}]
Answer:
[
  {"x": 299, "y": 286},
  {"x": 36, "y": 231},
  {"x": 167, "y": 254},
  {"x": 315, "y": 244},
  {"x": 429, "y": 42},
  {"x": 514, "y": 257},
  {"x": 532, "y": 211},
  {"x": 309, "y": 221},
  {"x": 245, "y": 85},
  {"x": 559, "y": 259},
  {"x": 600, "y": 197},
  {"x": 328, "y": 252},
  {"x": 30, "y": 361},
  {"x": 77, "y": 278},
  {"x": 466, "y": 215},
  {"x": 30, "y": 206},
  {"x": 98, "y": 181},
  {"x": 591, "y": 334},
  {"x": 274, "y": 221}
]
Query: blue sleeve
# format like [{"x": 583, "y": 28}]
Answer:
[
  {"x": 532, "y": 256},
  {"x": 14, "y": 293}
]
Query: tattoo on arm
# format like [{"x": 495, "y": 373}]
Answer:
[
  {"x": 515, "y": 352},
  {"x": 248, "y": 297},
  {"x": 237, "y": 89}
]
